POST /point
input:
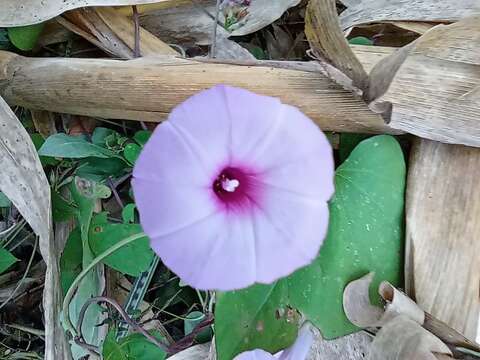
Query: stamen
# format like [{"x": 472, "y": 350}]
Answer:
[{"x": 230, "y": 185}]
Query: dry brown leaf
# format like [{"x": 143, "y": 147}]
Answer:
[
  {"x": 431, "y": 86},
  {"x": 442, "y": 227},
  {"x": 357, "y": 306},
  {"x": 328, "y": 42},
  {"x": 113, "y": 32},
  {"x": 148, "y": 88},
  {"x": 44, "y": 122},
  {"x": 404, "y": 339},
  {"x": 368, "y": 11},
  {"x": 24, "y": 182},
  {"x": 27, "y": 12}
]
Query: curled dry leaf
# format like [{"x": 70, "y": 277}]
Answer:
[
  {"x": 367, "y": 11},
  {"x": 359, "y": 310},
  {"x": 430, "y": 88},
  {"x": 27, "y": 12},
  {"x": 357, "y": 306},
  {"x": 328, "y": 42},
  {"x": 113, "y": 32},
  {"x": 404, "y": 339},
  {"x": 25, "y": 184}
]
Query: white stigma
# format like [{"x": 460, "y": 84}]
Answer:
[{"x": 230, "y": 185}]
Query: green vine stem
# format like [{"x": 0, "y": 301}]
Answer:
[{"x": 71, "y": 291}]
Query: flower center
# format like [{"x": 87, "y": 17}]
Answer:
[
  {"x": 234, "y": 188},
  {"x": 230, "y": 185}
]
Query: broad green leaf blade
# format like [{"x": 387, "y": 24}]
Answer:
[
  {"x": 72, "y": 147},
  {"x": 365, "y": 234},
  {"x": 256, "y": 317},
  {"x": 132, "y": 259},
  {"x": 25, "y": 37},
  {"x": 6, "y": 260}
]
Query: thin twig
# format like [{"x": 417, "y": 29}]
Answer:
[
  {"x": 79, "y": 338},
  {"x": 136, "y": 21},
  {"x": 214, "y": 32},
  {"x": 114, "y": 192}
]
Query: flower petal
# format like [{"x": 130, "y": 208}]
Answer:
[
  {"x": 289, "y": 231},
  {"x": 214, "y": 253},
  {"x": 167, "y": 206},
  {"x": 205, "y": 121},
  {"x": 168, "y": 157},
  {"x": 297, "y": 156},
  {"x": 254, "y": 117},
  {"x": 257, "y": 354},
  {"x": 231, "y": 135}
]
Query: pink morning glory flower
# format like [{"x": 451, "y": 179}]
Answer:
[
  {"x": 298, "y": 351},
  {"x": 232, "y": 189}
]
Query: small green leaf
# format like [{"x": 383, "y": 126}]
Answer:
[
  {"x": 128, "y": 213},
  {"x": 71, "y": 259},
  {"x": 25, "y": 37},
  {"x": 4, "y": 201},
  {"x": 142, "y": 136},
  {"x": 72, "y": 147},
  {"x": 134, "y": 346},
  {"x": 62, "y": 210},
  {"x": 360, "y": 40},
  {"x": 6, "y": 260},
  {"x": 191, "y": 321},
  {"x": 131, "y": 152},
  {"x": 132, "y": 259},
  {"x": 100, "y": 135}
]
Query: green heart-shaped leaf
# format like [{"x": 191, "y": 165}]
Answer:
[{"x": 365, "y": 234}]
